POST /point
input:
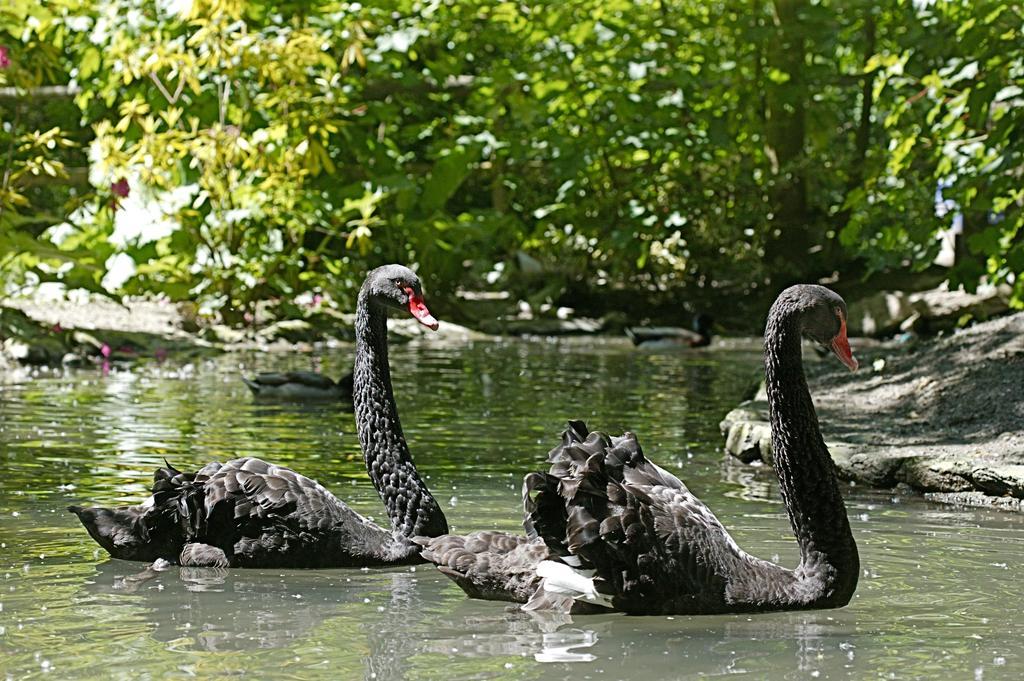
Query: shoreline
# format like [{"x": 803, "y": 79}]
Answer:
[
  {"x": 941, "y": 416},
  {"x": 94, "y": 330}
]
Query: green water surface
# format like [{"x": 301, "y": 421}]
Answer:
[{"x": 940, "y": 595}]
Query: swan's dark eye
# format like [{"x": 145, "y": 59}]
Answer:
[{"x": 397, "y": 282}]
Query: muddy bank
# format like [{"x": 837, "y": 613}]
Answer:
[
  {"x": 48, "y": 332},
  {"x": 96, "y": 330},
  {"x": 944, "y": 416}
]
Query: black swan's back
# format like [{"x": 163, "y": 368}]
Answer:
[
  {"x": 255, "y": 513},
  {"x": 654, "y": 546}
]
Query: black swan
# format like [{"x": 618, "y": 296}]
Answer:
[
  {"x": 608, "y": 529},
  {"x": 673, "y": 336},
  {"x": 300, "y": 386},
  {"x": 249, "y": 513}
]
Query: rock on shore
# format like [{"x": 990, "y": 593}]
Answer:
[{"x": 887, "y": 312}]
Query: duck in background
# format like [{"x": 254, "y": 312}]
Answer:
[
  {"x": 698, "y": 336},
  {"x": 300, "y": 386}
]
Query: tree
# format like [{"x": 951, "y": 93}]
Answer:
[{"x": 647, "y": 146}]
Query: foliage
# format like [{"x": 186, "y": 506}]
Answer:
[
  {"x": 955, "y": 109},
  {"x": 648, "y": 144},
  {"x": 31, "y": 55}
]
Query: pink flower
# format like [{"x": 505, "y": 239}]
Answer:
[
  {"x": 105, "y": 350},
  {"x": 317, "y": 299},
  {"x": 57, "y": 328},
  {"x": 120, "y": 188},
  {"x": 5, "y": 57}
]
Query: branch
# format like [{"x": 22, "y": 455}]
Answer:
[
  {"x": 41, "y": 92},
  {"x": 375, "y": 90},
  {"x": 76, "y": 177},
  {"x": 385, "y": 88}
]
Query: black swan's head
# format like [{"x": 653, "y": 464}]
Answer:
[
  {"x": 822, "y": 314},
  {"x": 398, "y": 287}
]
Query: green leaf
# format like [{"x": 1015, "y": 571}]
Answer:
[
  {"x": 447, "y": 175},
  {"x": 90, "y": 62}
]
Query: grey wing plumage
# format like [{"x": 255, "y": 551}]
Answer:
[
  {"x": 265, "y": 515},
  {"x": 653, "y": 546},
  {"x": 259, "y": 491},
  {"x": 489, "y": 565}
]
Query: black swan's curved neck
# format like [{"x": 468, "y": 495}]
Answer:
[
  {"x": 829, "y": 564},
  {"x": 411, "y": 507}
]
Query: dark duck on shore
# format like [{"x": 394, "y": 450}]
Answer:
[
  {"x": 300, "y": 386},
  {"x": 250, "y": 513},
  {"x": 673, "y": 336},
  {"x": 608, "y": 529}
]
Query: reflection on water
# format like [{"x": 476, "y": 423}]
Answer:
[{"x": 939, "y": 595}]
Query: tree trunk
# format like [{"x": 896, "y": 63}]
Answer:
[
  {"x": 793, "y": 233},
  {"x": 867, "y": 103}
]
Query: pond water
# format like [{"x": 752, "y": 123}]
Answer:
[{"x": 939, "y": 596}]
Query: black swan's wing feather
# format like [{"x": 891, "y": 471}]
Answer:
[
  {"x": 489, "y": 565},
  {"x": 257, "y": 513},
  {"x": 268, "y": 515},
  {"x": 253, "y": 491},
  {"x": 653, "y": 545}
]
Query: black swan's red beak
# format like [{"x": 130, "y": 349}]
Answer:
[
  {"x": 418, "y": 309},
  {"x": 841, "y": 346}
]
